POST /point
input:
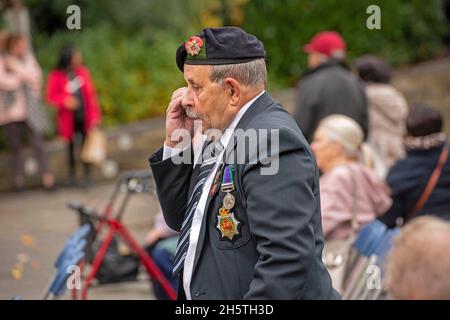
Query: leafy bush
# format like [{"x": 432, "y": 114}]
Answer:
[
  {"x": 133, "y": 75},
  {"x": 410, "y": 30},
  {"x": 129, "y": 46},
  {"x": 129, "y": 49}
]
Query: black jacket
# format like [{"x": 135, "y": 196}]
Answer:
[
  {"x": 325, "y": 90},
  {"x": 278, "y": 253},
  {"x": 407, "y": 180}
]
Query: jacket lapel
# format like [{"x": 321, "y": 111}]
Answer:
[{"x": 260, "y": 104}]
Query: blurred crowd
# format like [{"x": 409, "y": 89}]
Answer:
[
  {"x": 69, "y": 89},
  {"x": 376, "y": 154},
  {"x": 379, "y": 159}
]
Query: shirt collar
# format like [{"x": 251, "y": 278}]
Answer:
[{"x": 226, "y": 134}]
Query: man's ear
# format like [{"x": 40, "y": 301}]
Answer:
[{"x": 233, "y": 89}]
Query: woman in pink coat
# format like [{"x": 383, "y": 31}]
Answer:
[
  {"x": 20, "y": 109},
  {"x": 351, "y": 193},
  {"x": 71, "y": 91}
]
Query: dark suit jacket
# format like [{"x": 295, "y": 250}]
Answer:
[{"x": 278, "y": 254}]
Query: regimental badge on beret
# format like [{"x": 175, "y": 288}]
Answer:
[
  {"x": 194, "y": 46},
  {"x": 219, "y": 46}
]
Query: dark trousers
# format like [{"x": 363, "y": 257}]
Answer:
[
  {"x": 73, "y": 151},
  {"x": 164, "y": 260},
  {"x": 14, "y": 132}
]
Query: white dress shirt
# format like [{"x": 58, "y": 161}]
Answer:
[{"x": 200, "y": 210}]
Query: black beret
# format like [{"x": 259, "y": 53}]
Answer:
[{"x": 213, "y": 46}]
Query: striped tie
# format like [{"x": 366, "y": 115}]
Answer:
[{"x": 210, "y": 154}]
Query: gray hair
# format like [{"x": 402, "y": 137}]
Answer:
[
  {"x": 345, "y": 131},
  {"x": 248, "y": 73},
  {"x": 338, "y": 55},
  {"x": 349, "y": 134}
]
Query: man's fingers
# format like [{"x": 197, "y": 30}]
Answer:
[
  {"x": 180, "y": 90},
  {"x": 178, "y": 95},
  {"x": 174, "y": 105}
]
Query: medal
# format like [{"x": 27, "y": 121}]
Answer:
[
  {"x": 227, "y": 224},
  {"x": 226, "y": 221},
  {"x": 228, "y": 201},
  {"x": 216, "y": 181},
  {"x": 228, "y": 186}
]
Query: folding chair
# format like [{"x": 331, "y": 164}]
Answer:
[{"x": 371, "y": 247}]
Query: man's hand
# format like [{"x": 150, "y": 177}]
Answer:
[
  {"x": 176, "y": 118},
  {"x": 71, "y": 103}
]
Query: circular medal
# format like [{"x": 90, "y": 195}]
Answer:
[{"x": 228, "y": 201}]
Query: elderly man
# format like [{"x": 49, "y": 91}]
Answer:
[
  {"x": 419, "y": 263},
  {"x": 246, "y": 231},
  {"x": 328, "y": 87}
]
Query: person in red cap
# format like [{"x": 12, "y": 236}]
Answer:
[{"x": 327, "y": 86}]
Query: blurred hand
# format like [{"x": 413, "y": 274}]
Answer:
[
  {"x": 71, "y": 103},
  {"x": 9, "y": 63},
  {"x": 152, "y": 236},
  {"x": 176, "y": 118}
]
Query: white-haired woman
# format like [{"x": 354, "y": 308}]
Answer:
[{"x": 351, "y": 193}]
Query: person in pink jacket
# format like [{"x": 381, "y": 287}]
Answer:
[
  {"x": 351, "y": 193},
  {"x": 20, "y": 108},
  {"x": 71, "y": 91}
]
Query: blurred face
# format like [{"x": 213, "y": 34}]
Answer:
[
  {"x": 77, "y": 59},
  {"x": 314, "y": 59},
  {"x": 204, "y": 99},
  {"x": 19, "y": 47},
  {"x": 325, "y": 150}
]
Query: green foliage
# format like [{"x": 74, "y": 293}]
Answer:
[
  {"x": 129, "y": 46},
  {"x": 410, "y": 30},
  {"x": 129, "y": 49},
  {"x": 133, "y": 75}
]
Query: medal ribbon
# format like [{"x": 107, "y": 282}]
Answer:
[{"x": 227, "y": 179}]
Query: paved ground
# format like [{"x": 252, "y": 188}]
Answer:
[{"x": 34, "y": 228}]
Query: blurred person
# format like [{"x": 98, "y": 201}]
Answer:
[
  {"x": 17, "y": 18},
  {"x": 160, "y": 244},
  {"x": 419, "y": 262},
  {"x": 387, "y": 109},
  {"x": 71, "y": 91},
  {"x": 327, "y": 86},
  {"x": 409, "y": 179},
  {"x": 351, "y": 194},
  {"x": 160, "y": 231},
  {"x": 20, "y": 108}
]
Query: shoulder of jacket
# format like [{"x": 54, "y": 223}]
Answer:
[
  {"x": 56, "y": 74},
  {"x": 83, "y": 70},
  {"x": 275, "y": 116}
]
